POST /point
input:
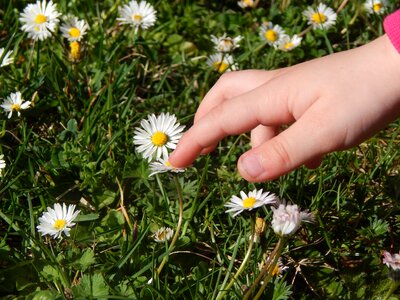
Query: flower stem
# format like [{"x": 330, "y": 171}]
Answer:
[
  {"x": 269, "y": 267},
  {"x": 393, "y": 287},
  {"x": 37, "y": 58},
  {"x": 28, "y": 68},
  {"x": 327, "y": 42},
  {"x": 222, "y": 293},
  {"x": 178, "y": 226}
]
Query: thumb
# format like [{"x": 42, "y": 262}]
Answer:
[{"x": 302, "y": 143}]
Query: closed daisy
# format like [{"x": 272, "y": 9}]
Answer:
[
  {"x": 392, "y": 260},
  {"x": 163, "y": 234},
  {"x": 40, "y": 19},
  {"x": 259, "y": 228},
  {"x": 322, "y": 17},
  {"x": 2, "y": 164},
  {"x": 288, "y": 43},
  {"x": 14, "y": 102},
  {"x": 271, "y": 33},
  {"x": 225, "y": 43},
  {"x": 254, "y": 199},
  {"x": 57, "y": 220},
  {"x": 287, "y": 219},
  {"x": 162, "y": 166},
  {"x": 5, "y": 57},
  {"x": 74, "y": 29},
  {"x": 221, "y": 62},
  {"x": 393, "y": 263},
  {"x": 138, "y": 14},
  {"x": 156, "y": 135},
  {"x": 74, "y": 51},
  {"x": 375, "y": 6},
  {"x": 246, "y": 3}
]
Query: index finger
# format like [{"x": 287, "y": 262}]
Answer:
[
  {"x": 236, "y": 116},
  {"x": 230, "y": 85}
]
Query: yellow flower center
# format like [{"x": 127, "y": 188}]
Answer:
[
  {"x": 159, "y": 138},
  {"x": 377, "y": 7},
  {"x": 248, "y": 3},
  {"x": 220, "y": 66},
  {"x": 227, "y": 42},
  {"x": 40, "y": 19},
  {"x": 59, "y": 224},
  {"x": 75, "y": 50},
  {"x": 161, "y": 236},
  {"x": 74, "y": 32},
  {"x": 289, "y": 45},
  {"x": 271, "y": 35},
  {"x": 318, "y": 18},
  {"x": 167, "y": 164},
  {"x": 16, "y": 107},
  {"x": 137, "y": 18},
  {"x": 249, "y": 202}
]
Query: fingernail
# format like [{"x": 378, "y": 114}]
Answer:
[{"x": 252, "y": 165}]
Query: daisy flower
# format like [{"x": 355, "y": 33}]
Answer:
[
  {"x": 74, "y": 29},
  {"x": 375, "y": 6},
  {"x": 40, "y": 19},
  {"x": 6, "y": 58},
  {"x": 163, "y": 234},
  {"x": 322, "y": 17},
  {"x": 288, "y": 43},
  {"x": 162, "y": 166},
  {"x": 57, "y": 220},
  {"x": 2, "y": 164},
  {"x": 287, "y": 219},
  {"x": 225, "y": 43},
  {"x": 279, "y": 269},
  {"x": 156, "y": 135},
  {"x": 136, "y": 14},
  {"x": 246, "y": 3},
  {"x": 14, "y": 102},
  {"x": 221, "y": 62},
  {"x": 271, "y": 33},
  {"x": 254, "y": 199}
]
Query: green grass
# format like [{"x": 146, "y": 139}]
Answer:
[{"x": 75, "y": 146}]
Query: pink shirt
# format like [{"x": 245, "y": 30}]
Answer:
[{"x": 392, "y": 28}]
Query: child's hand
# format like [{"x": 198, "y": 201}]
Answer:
[{"x": 332, "y": 103}]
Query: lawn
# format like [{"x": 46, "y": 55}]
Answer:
[{"x": 89, "y": 210}]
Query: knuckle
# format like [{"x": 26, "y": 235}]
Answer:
[
  {"x": 280, "y": 152},
  {"x": 228, "y": 79}
]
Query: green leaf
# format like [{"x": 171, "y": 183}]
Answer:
[
  {"x": 50, "y": 273},
  {"x": 43, "y": 295},
  {"x": 87, "y": 259},
  {"x": 281, "y": 290},
  {"x": 91, "y": 287},
  {"x": 113, "y": 219},
  {"x": 87, "y": 217},
  {"x": 104, "y": 199},
  {"x": 72, "y": 126}
]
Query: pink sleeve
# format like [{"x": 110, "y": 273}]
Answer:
[{"x": 392, "y": 28}]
